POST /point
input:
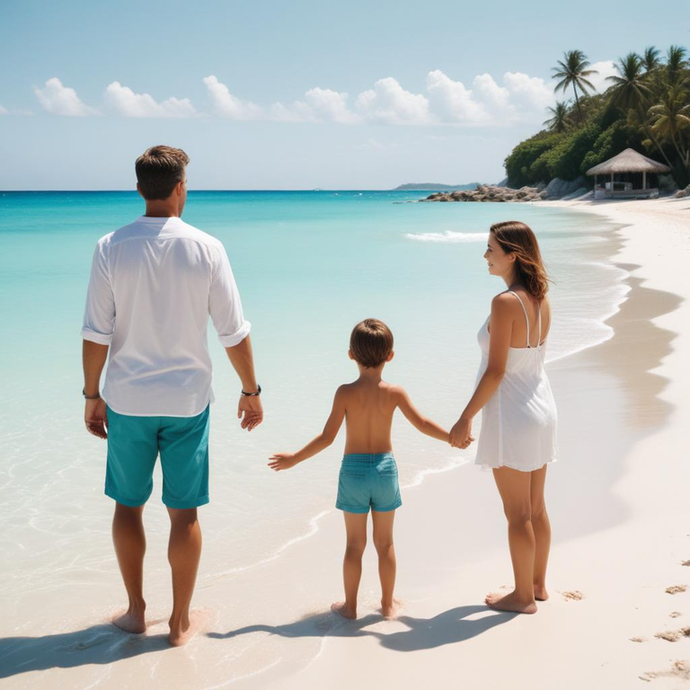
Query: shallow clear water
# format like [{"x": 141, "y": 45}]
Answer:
[{"x": 309, "y": 266}]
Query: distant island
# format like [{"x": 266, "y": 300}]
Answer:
[{"x": 430, "y": 186}]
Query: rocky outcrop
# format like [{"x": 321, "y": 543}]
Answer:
[
  {"x": 558, "y": 188},
  {"x": 682, "y": 193},
  {"x": 488, "y": 192}
]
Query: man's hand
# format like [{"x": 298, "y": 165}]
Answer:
[
  {"x": 282, "y": 461},
  {"x": 95, "y": 418},
  {"x": 250, "y": 406}
]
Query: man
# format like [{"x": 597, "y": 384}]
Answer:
[{"x": 153, "y": 284}]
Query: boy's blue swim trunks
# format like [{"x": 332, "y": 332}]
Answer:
[
  {"x": 133, "y": 446},
  {"x": 368, "y": 481}
]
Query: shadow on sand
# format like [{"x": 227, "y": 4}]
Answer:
[
  {"x": 99, "y": 644},
  {"x": 449, "y": 627}
]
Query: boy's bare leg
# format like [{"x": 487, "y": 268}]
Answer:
[
  {"x": 542, "y": 533},
  {"x": 383, "y": 541},
  {"x": 356, "y": 528},
  {"x": 184, "y": 552},
  {"x": 514, "y": 487},
  {"x": 130, "y": 546}
]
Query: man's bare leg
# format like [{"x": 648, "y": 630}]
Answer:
[
  {"x": 184, "y": 552},
  {"x": 130, "y": 546},
  {"x": 356, "y": 527}
]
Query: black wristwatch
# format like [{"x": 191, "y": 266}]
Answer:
[
  {"x": 251, "y": 395},
  {"x": 90, "y": 397}
]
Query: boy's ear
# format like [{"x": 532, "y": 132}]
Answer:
[
  {"x": 350, "y": 355},
  {"x": 391, "y": 354},
  {"x": 139, "y": 190}
]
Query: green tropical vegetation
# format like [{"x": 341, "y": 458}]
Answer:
[{"x": 645, "y": 107}]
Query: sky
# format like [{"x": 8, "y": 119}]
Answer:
[{"x": 293, "y": 94}]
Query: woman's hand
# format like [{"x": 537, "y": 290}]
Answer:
[
  {"x": 461, "y": 433},
  {"x": 282, "y": 461}
]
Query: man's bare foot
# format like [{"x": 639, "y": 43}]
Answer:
[
  {"x": 183, "y": 631},
  {"x": 540, "y": 593},
  {"x": 130, "y": 621},
  {"x": 509, "y": 602},
  {"x": 391, "y": 610},
  {"x": 344, "y": 610}
]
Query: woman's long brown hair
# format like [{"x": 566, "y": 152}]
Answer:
[{"x": 517, "y": 238}]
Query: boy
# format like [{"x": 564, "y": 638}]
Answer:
[{"x": 368, "y": 475}]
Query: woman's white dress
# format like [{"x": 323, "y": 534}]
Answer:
[{"x": 519, "y": 421}]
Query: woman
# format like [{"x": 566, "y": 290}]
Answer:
[{"x": 518, "y": 435}]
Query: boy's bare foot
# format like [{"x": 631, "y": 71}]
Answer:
[
  {"x": 131, "y": 621},
  {"x": 540, "y": 593},
  {"x": 344, "y": 610},
  {"x": 509, "y": 602},
  {"x": 391, "y": 610},
  {"x": 184, "y": 630}
]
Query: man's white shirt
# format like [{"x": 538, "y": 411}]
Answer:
[{"x": 153, "y": 285}]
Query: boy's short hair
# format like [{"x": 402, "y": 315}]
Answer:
[
  {"x": 159, "y": 169},
  {"x": 371, "y": 342}
]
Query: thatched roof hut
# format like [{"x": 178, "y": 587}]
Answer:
[
  {"x": 628, "y": 161},
  {"x": 624, "y": 170}
]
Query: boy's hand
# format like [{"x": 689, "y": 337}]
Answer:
[{"x": 282, "y": 461}]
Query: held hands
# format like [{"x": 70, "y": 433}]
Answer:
[
  {"x": 95, "y": 418},
  {"x": 253, "y": 411},
  {"x": 461, "y": 433},
  {"x": 282, "y": 461}
]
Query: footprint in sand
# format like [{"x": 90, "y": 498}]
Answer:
[
  {"x": 676, "y": 589},
  {"x": 575, "y": 595},
  {"x": 674, "y": 614},
  {"x": 638, "y": 639},
  {"x": 673, "y": 635},
  {"x": 680, "y": 670},
  {"x": 685, "y": 563}
]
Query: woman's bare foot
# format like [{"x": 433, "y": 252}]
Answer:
[
  {"x": 540, "y": 593},
  {"x": 510, "y": 602},
  {"x": 132, "y": 621},
  {"x": 344, "y": 610},
  {"x": 391, "y": 610},
  {"x": 183, "y": 631}
]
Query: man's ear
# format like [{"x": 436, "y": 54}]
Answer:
[
  {"x": 139, "y": 190},
  {"x": 350, "y": 355},
  {"x": 391, "y": 354}
]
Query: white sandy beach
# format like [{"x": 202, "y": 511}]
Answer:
[{"x": 618, "y": 501}]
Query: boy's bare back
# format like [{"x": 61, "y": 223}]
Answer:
[{"x": 369, "y": 408}]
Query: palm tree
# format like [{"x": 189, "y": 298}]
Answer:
[
  {"x": 572, "y": 70},
  {"x": 675, "y": 62},
  {"x": 670, "y": 118},
  {"x": 650, "y": 58},
  {"x": 560, "y": 120},
  {"x": 631, "y": 92}
]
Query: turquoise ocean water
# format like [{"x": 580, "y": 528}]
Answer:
[{"x": 309, "y": 265}]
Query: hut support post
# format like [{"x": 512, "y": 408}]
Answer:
[
  {"x": 644, "y": 179},
  {"x": 611, "y": 184}
]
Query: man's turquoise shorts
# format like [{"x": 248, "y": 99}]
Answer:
[{"x": 133, "y": 446}]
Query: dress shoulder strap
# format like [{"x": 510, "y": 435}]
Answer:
[{"x": 524, "y": 311}]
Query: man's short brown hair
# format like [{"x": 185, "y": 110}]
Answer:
[
  {"x": 371, "y": 342},
  {"x": 159, "y": 169}
]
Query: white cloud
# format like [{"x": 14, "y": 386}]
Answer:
[
  {"x": 131, "y": 104},
  {"x": 62, "y": 100},
  {"x": 605, "y": 68},
  {"x": 532, "y": 93},
  {"x": 227, "y": 105},
  {"x": 319, "y": 105},
  {"x": 390, "y": 104},
  {"x": 453, "y": 101},
  {"x": 4, "y": 111}
]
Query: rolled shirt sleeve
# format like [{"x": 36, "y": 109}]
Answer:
[
  {"x": 99, "y": 314},
  {"x": 224, "y": 304}
]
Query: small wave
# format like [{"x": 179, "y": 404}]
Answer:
[{"x": 448, "y": 236}]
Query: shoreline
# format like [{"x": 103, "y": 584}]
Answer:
[{"x": 451, "y": 549}]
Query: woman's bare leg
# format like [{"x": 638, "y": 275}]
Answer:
[
  {"x": 514, "y": 487},
  {"x": 542, "y": 533},
  {"x": 383, "y": 541},
  {"x": 356, "y": 528}
]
